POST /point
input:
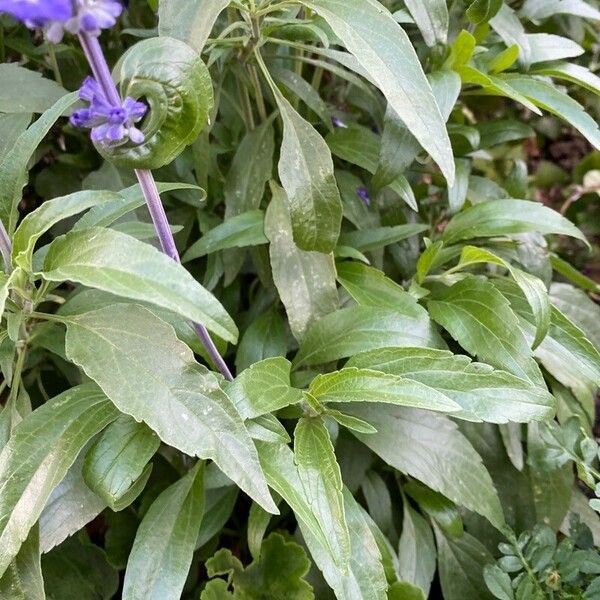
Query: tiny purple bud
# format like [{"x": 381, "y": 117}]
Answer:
[
  {"x": 364, "y": 195},
  {"x": 338, "y": 123},
  {"x": 111, "y": 125}
]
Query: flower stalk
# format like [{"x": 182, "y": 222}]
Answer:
[{"x": 102, "y": 74}]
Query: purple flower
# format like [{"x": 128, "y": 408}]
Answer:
[
  {"x": 92, "y": 16},
  {"x": 364, "y": 195},
  {"x": 58, "y": 16},
  {"x": 111, "y": 125},
  {"x": 38, "y": 13},
  {"x": 338, "y": 123}
]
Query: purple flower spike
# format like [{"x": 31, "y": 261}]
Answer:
[
  {"x": 111, "y": 125},
  {"x": 363, "y": 194},
  {"x": 93, "y": 16},
  {"x": 38, "y": 13},
  {"x": 58, "y": 16}
]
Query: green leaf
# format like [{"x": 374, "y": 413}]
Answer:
[
  {"x": 164, "y": 544},
  {"x": 534, "y": 288},
  {"x": 13, "y": 165},
  {"x": 71, "y": 506},
  {"x": 306, "y": 173},
  {"x": 277, "y": 461},
  {"x": 547, "y": 47},
  {"x": 537, "y": 11},
  {"x": 366, "y": 240},
  {"x": 241, "y": 231},
  {"x": 171, "y": 77},
  {"x": 367, "y": 385},
  {"x": 245, "y": 184},
  {"x": 321, "y": 480},
  {"x": 403, "y": 590},
  {"x": 365, "y": 579},
  {"x": 117, "y": 263},
  {"x": 11, "y": 127},
  {"x": 461, "y": 563},
  {"x": 572, "y": 73},
  {"x": 481, "y": 11},
  {"x": 429, "y": 447},
  {"x": 277, "y": 573},
  {"x": 305, "y": 280},
  {"x": 370, "y": 287},
  {"x": 431, "y": 17},
  {"x": 51, "y": 212},
  {"x": 266, "y": 337},
  {"x": 566, "y": 352},
  {"x": 74, "y": 562},
  {"x": 132, "y": 198},
  {"x": 416, "y": 551},
  {"x": 548, "y": 97},
  {"x": 384, "y": 50},
  {"x": 507, "y": 217},
  {"x": 116, "y": 461},
  {"x": 29, "y": 473},
  {"x": 498, "y": 582},
  {"x": 493, "y": 133},
  {"x": 190, "y": 22},
  {"x": 23, "y": 579},
  {"x": 166, "y": 388},
  {"x": 481, "y": 320},
  {"x": 26, "y": 91},
  {"x": 483, "y": 393},
  {"x": 263, "y": 388},
  {"x": 507, "y": 25},
  {"x": 359, "y": 328}
]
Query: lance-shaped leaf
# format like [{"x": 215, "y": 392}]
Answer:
[
  {"x": 13, "y": 166},
  {"x": 164, "y": 544},
  {"x": 485, "y": 394},
  {"x": 150, "y": 375},
  {"x": 71, "y": 506},
  {"x": 481, "y": 11},
  {"x": 35, "y": 224},
  {"x": 416, "y": 551},
  {"x": 305, "y": 280},
  {"x": 23, "y": 579},
  {"x": 117, "y": 263},
  {"x": 430, "y": 448},
  {"x": 116, "y": 465},
  {"x": 241, "y": 231},
  {"x": 534, "y": 288},
  {"x": 306, "y": 173},
  {"x": 481, "y": 320},
  {"x": 367, "y": 385},
  {"x": 38, "y": 455},
  {"x": 321, "y": 480},
  {"x": 507, "y": 217},
  {"x": 431, "y": 17},
  {"x": 385, "y": 52},
  {"x": 263, "y": 388},
  {"x": 548, "y": 97},
  {"x": 360, "y": 328},
  {"x": 365, "y": 578}
]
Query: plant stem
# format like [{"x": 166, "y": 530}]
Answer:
[{"x": 95, "y": 55}]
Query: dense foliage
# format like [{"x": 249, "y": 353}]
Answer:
[{"x": 388, "y": 218}]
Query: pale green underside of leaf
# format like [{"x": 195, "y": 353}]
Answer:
[
  {"x": 38, "y": 456},
  {"x": 115, "y": 262},
  {"x": 430, "y": 448},
  {"x": 166, "y": 388},
  {"x": 360, "y": 328},
  {"x": 484, "y": 394},
  {"x": 164, "y": 544},
  {"x": 384, "y": 50}
]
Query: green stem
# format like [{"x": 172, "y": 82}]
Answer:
[
  {"x": 17, "y": 373},
  {"x": 54, "y": 65}
]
